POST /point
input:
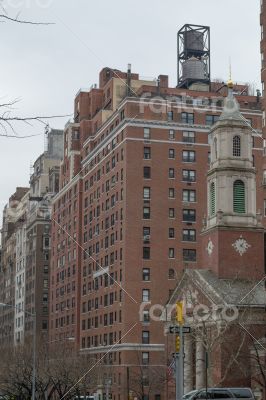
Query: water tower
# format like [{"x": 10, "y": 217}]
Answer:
[{"x": 193, "y": 64}]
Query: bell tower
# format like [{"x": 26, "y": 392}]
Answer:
[{"x": 233, "y": 240}]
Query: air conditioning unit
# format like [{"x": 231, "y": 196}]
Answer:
[{"x": 146, "y": 238}]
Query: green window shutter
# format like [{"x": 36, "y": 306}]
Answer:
[
  {"x": 239, "y": 197},
  {"x": 212, "y": 199}
]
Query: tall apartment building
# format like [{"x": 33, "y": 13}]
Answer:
[
  {"x": 43, "y": 186},
  {"x": 24, "y": 277},
  {"x": 21, "y": 259},
  {"x": 128, "y": 215},
  {"x": 13, "y": 223},
  {"x": 263, "y": 80}
]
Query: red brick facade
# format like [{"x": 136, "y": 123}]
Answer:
[{"x": 133, "y": 196}]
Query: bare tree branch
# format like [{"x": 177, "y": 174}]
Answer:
[{"x": 21, "y": 21}]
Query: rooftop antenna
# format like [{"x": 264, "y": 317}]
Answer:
[
  {"x": 46, "y": 131},
  {"x": 230, "y": 83},
  {"x": 230, "y": 69}
]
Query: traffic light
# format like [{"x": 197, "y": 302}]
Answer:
[
  {"x": 179, "y": 313},
  {"x": 177, "y": 344}
]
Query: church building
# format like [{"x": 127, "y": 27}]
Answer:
[{"x": 225, "y": 299}]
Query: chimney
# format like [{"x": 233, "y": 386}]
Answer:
[{"x": 163, "y": 81}]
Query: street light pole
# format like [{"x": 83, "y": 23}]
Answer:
[
  {"x": 33, "y": 358},
  {"x": 33, "y": 315}
]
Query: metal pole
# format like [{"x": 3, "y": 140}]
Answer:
[
  {"x": 33, "y": 357},
  {"x": 206, "y": 370},
  {"x": 177, "y": 376},
  {"x": 181, "y": 363},
  {"x": 127, "y": 382}
]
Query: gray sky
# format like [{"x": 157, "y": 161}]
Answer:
[{"x": 45, "y": 66}]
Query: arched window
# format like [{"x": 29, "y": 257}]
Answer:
[
  {"x": 236, "y": 146},
  {"x": 215, "y": 148},
  {"x": 239, "y": 197},
  {"x": 212, "y": 199},
  {"x": 171, "y": 273}
]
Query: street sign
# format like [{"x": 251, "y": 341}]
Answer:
[{"x": 176, "y": 329}]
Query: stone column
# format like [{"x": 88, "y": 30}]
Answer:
[
  {"x": 188, "y": 363},
  {"x": 200, "y": 363}
]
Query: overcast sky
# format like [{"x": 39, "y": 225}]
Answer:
[{"x": 44, "y": 66}]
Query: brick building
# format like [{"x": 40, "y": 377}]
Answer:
[
  {"x": 128, "y": 216},
  {"x": 229, "y": 285},
  {"x": 43, "y": 186},
  {"x": 12, "y": 223},
  {"x": 24, "y": 276}
]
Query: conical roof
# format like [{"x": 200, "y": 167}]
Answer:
[{"x": 231, "y": 109}]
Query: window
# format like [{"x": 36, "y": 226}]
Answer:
[
  {"x": 146, "y": 274},
  {"x": 171, "y": 253},
  {"x": 171, "y": 273},
  {"x": 146, "y": 316},
  {"x": 239, "y": 197},
  {"x": 147, "y": 133},
  {"x": 146, "y": 213},
  {"x": 145, "y": 337},
  {"x": 189, "y": 235},
  {"x": 146, "y": 295},
  {"x": 171, "y": 173},
  {"x": 215, "y": 147},
  {"x": 212, "y": 199},
  {"x": 146, "y": 232},
  {"x": 146, "y": 253},
  {"x": 171, "y": 193},
  {"x": 45, "y": 325},
  {"x": 189, "y": 175},
  {"x": 171, "y": 213},
  {"x": 146, "y": 172},
  {"x": 46, "y": 242},
  {"x": 236, "y": 146},
  {"x": 189, "y": 255},
  {"x": 170, "y": 115},
  {"x": 187, "y": 118},
  {"x": 146, "y": 193},
  {"x": 145, "y": 358},
  {"x": 220, "y": 394},
  {"x": 171, "y": 153},
  {"x": 171, "y": 233},
  {"x": 147, "y": 153},
  {"x": 189, "y": 195},
  {"x": 211, "y": 119},
  {"x": 188, "y": 137},
  {"x": 171, "y": 134},
  {"x": 188, "y": 156}
]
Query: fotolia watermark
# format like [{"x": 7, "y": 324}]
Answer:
[
  {"x": 193, "y": 314},
  {"x": 182, "y": 102},
  {"x": 19, "y": 4}
]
